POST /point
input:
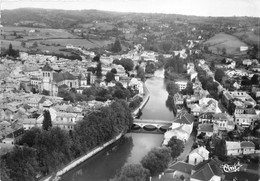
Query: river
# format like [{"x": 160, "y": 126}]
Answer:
[{"x": 134, "y": 146}]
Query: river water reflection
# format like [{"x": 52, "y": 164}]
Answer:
[{"x": 134, "y": 146}]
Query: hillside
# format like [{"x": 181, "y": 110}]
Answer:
[
  {"x": 72, "y": 18},
  {"x": 222, "y": 40}
]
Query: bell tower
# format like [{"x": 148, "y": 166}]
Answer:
[{"x": 47, "y": 77}]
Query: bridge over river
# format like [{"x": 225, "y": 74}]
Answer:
[{"x": 152, "y": 124}]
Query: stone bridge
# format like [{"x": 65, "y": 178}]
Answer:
[{"x": 152, "y": 124}]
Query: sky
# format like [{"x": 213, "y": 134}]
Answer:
[{"x": 185, "y": 7}]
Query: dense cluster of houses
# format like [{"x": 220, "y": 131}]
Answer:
[
  {"x": 21, "y": 109},
  {"x": 235, "y": 111}
]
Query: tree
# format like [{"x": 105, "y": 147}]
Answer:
[
  {"x": 141, "y": 73},
  {"x": 11, "y": 51},
  {"x": 133, "y": 172},
  {"x": 23, "y": 44},
  {"x": 110, "y": 76},
  {"x": 156, "y": 161},
  {"x": 166, "y": 46},
  {"x": 117, "y": 46},
  {"x": 212, "y": 65},
  {"x": 29, "y": 137},
  {"x": 150, "y": 68},
  {"x": 117, "y": 62},
  {"x": 224, "y": 51},
  {"x": 121, "y": 94},
  {"x": 46, "y": 123},
  {"x": 114, "y": 71},
  {"x": 206, "y": 48},
  {"x": 219, "y": 74},
  {"x": 255, "y": 79},
  {"x": 96, "y": 58},
  {"x": 188, "y": 90},
  {"x": 99, "y": 70},
  {"x": 35, "y": 44},
  {"x": 176, "y": 146},
  {"x": 4, "y": 171},
  {"x": 127, "y": 63},
  {"x": 21, "y": 164},
  {"x": 172, "y": 88}
]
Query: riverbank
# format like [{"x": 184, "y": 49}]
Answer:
[
  {"x": 80, "y": 160},
  {"x": 146, "y": 97}
]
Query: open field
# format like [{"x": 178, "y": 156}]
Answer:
[
  {"x": 17, "y": 45},
  {"x": 222, "y": 40},
  {"x": 51, "y": 40},
  {"x": 248, "y": 36},
  {"x": 40, "y": 33},
  {"x": 80, "y": 42}
]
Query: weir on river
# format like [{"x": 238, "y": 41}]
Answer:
[{"x": 134, "y": 146}]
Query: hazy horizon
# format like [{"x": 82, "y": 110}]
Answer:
[{"x": 216, "y": 8}]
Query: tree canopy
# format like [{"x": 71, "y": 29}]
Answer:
[
  {"x": 156, "y": 161},
  {"x": 43, "y": 152},
  {"x": 127, "y": 63},
  {"x": 116, "y": 46},
  {"x": 219, "y": 74},
  {"x": 172, "y": 88},
  {"x": 46, "y": 123},
  {"x": 133, "y": 172},
  {"x": 99, "y": 69},
  {"x": 176, "y": 146},
  {"x": 110, "y": 76}
]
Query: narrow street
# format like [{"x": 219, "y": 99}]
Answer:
[{"x": 187, "y": 148}]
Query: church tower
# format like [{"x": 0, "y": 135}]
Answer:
[{"x": 47, "y": 78}]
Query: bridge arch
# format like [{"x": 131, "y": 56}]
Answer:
[
  {"x": 162, "y": 125},
  {"x": 150, "y": 127}
]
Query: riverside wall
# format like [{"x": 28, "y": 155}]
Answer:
[{"x": 79, "y": 160}]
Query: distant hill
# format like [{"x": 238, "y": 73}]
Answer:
[{"x": 53, "y": 18}]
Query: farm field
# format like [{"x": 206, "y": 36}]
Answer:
[
  {"x": 17, "y": 45},
  {"x": 49, "y": 40},
  {"x": 222, "y": 40},
  {"x": 248, "y": 36},
  {"x": 80, "y": 42},
  {"x": 40, "y": 33}
]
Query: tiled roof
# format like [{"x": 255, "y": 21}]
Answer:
[
  {"x": 185, "y": 118},
  {"x": 221, "y": 116},
  {"x": 227, "y": 95},
  {"x": 181, "y": 166},
  {"x": 62, "y": 114},
  {"x": 205, "y": 128},
  {"x": 206, "y": 170},
  {"x": 247, "y": 144}
]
